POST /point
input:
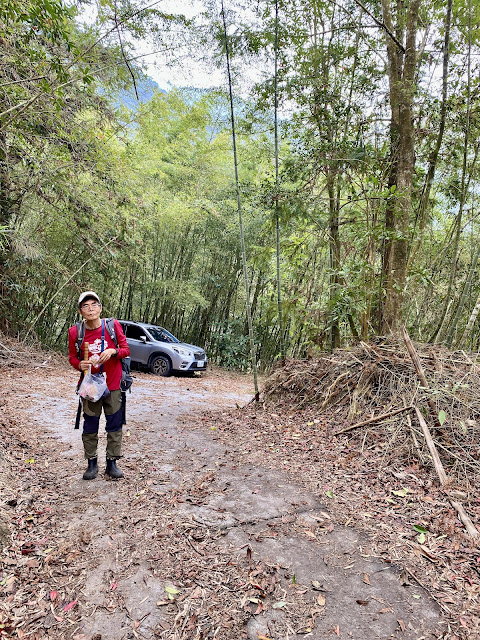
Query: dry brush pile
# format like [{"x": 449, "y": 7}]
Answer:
[
  {"x": 358, "y": 413},
  {"x": 374, "y": 389},
  {"x": 14, "y": 353}
]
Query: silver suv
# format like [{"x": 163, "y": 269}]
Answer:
[{"x": 156, "y": 348}]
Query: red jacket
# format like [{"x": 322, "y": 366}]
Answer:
[{"x": 113, "y": 367}]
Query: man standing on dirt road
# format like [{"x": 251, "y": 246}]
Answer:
[{"x": 110, "y": 360}]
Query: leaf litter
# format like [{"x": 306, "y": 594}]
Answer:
[
  {"x": 208, "y": 590},
  {"x": 380, "y": 477},
  {"x": 216, "y": 591}
]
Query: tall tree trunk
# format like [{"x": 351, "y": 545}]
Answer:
[
  {"x": 322, "y": 74},
  {"x": 385, "y": 281},
  {"x": 458, "y": 222},
  {"x": 401, "y": 77},
  {"x": 334, "y": 259}
]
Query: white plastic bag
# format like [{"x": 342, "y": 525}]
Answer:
[{"x": 94, "y": 386}]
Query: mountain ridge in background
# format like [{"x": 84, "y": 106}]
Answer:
[{"x": 146, "y": 88}]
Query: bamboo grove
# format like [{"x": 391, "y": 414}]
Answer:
[{"x": 357, "y": 140}]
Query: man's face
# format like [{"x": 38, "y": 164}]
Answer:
[{"x": 90, "y": 309}]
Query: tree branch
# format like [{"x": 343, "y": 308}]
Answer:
[
  {"x": 382, "y": 25},
  {"x": 124, "y": 56}
]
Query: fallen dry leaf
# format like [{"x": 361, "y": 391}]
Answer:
[
  {"x": 196, "y": 593},
  {"x": 32, "y": 563}
]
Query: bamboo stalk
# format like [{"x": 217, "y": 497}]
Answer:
[
  {"x": 470, "y": 323},
  {"x": 277, "y": 204},
  {"x": 240, "y": 213}
]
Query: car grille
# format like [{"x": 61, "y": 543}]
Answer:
[{"x": 199, "y": 355}]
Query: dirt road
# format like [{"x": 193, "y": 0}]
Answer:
[{"x": 191, "y": 544}]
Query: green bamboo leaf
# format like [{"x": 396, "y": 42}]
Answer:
[{"x": 419, "y": 528}]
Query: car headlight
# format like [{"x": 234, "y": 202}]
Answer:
[{"x": 182, "y": 352}]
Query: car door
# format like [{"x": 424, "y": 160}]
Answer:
[{"x": 139, "y": 350}]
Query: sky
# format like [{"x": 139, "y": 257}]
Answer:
[{"x": 191, "y": 72}]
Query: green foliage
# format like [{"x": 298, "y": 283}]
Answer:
[
  {"x": 232, "y": 346},
  {"x": 141, "y": 206},
  {"x": 4, "y": 233}
]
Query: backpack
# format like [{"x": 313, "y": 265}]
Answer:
[{"x": 127, "y": 380}]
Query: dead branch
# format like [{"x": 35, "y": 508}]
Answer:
[
  {"x": 420, "y": 372},
  {"x": 470, "y": 527},
  {"x": 331, "y": 388},
  {"x": 432, "y": 448},
  {"x": 462, "y": 514},
  {"x": 382, "y": 416}
]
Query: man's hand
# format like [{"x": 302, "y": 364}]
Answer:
[
  {"x": 105, "y": 355},
  {"x": 84, "y": 364}
]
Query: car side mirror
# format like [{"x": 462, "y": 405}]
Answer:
[{"x": 143, "y": 339}]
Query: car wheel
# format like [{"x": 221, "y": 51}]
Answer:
[{"x": 161, "y": 366}]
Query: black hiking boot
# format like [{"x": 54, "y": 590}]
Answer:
[
  {"x": 92, "y": 469},
  {"x": 112, "y": 470}
]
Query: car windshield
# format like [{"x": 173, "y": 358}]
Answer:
[{"x": 162, "y": 335}]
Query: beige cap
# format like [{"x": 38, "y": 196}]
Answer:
[{"x": 88, "y": 294}]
